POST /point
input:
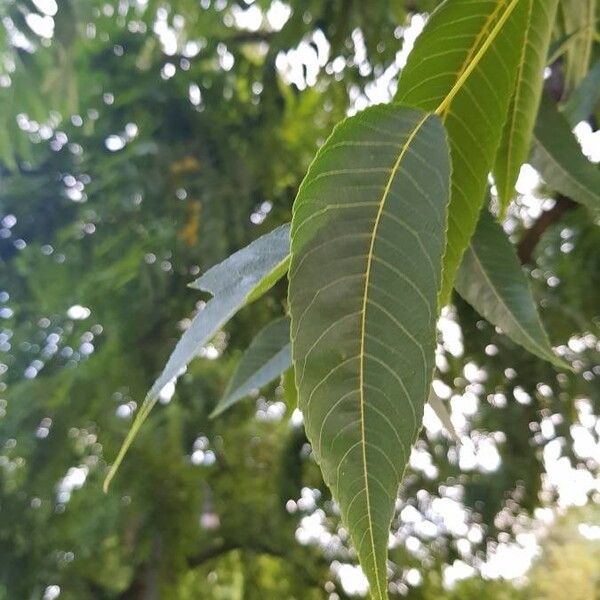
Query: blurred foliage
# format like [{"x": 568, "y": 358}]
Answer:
[{"x": 140, "y": 143}]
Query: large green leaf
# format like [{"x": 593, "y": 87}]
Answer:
[
  {"x": 368, "y": 233},
  {"x": 267, "y": 357},
  {"x": 558, "y": 157},
  {"x": 233, "y": 284},
  {"x": 518, "y": 129},
  {"x": 463, "y": 66},
  {"x": 492, "y": 281}
]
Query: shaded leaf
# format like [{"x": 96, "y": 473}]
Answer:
[
  {"x": 463, "y": 66},
  {"x": 492, "y": 281},
  {"x": 558, "y": 157},
  {"x": 577, "y": 18},
  {"x": 231, "y": 282},
  {"x": 267, "y": 357},
  {"x": 368, "y": 233},
  {"x": 518, "y": 128},
  {"x": 581, "y": 103}
]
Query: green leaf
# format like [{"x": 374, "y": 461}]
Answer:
[
  {"x": 492, "y": 281},
  {"x": 518, "y": 129},
  {"x": 368, "y": 232},
  {"x": 267, "y": 357},
  {"x": 577, "y": 17},
  {"x": 558, "y": 157},
  {"x": 232, "y": 284},
  {"x": 581, "y": 103},
  {"x": 463, "y": 66}
]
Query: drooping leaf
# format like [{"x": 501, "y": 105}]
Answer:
[
  {"x": 441, "y": 412},
  {"x": 558, "y": 157},
  {"x": 463, "y": 66},
  {"x": 368, "y": 233},
  {"x": 232, "y": 284},
  {"x": 267, "y": 357},
  {"x": 518, "y": 128},
  {"x": 492, "y": 281},
  {"x": 581, "y": 103}
]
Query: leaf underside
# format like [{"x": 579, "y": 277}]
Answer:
[
  {"x": 233, "y": 283},
  {"x": 518, "y": 129},
  {"x": 492, "y": 281},
  {"x": 368, "y": 233},
  {"x": 458, "y": 34}
]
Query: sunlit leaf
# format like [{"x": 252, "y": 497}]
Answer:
[
  {"x": 232, "y": 284},
  {"x": 368, "y": 233},
  {"x": 491, "y": 280},
  {"x": 518, "y": 129},
  {"x": 463, "y": 66},
  {"x": 267, "y": 357},
  {"x": 558, "y": 157}
]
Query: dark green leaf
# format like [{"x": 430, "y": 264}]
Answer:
[
  {"x": 581, "y": 103},
  {"x": 558, "y": 157},
  {"x": 492, "y": 281},
  {"x": 267, "y": 357},
  {"x": 368, "y": 233}
]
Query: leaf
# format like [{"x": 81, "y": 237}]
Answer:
[
  {"x": 518, "y": 129},
  {"x": 441, "y": 412},
  {"x": 267, "y": 357},
  {"x": 368, "y": 232},
  {"x": 463, "y": 66},
  {"x": 577, "y": 18},
  {"x": 492, "y": 281},
  {"x": 558, "y": 157},
  {"x": 581, "y": 103},
  {"x": 232, "y": 283}
]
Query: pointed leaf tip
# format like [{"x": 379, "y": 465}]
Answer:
[{"x": 367, "y": 238}]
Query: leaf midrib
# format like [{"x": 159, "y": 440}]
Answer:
[
  {"x": 469, "y": 67},
  {"x": 557, "y": 164}
]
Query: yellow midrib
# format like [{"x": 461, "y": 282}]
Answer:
[
  {"x": 361, "y": 373},
  {"x": 467, "y": 69},
  {"x": 465, "y": 72}
]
